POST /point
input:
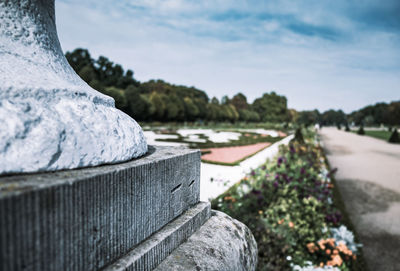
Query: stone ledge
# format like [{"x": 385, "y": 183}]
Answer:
[
  {"x": 85, "y": 219},
  {"x": 14, "y": 184},
  {"x": 155, "y": 249},
  {"x": 222, "y": 244}
]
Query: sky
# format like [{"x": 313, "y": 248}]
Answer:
[{"x": 331, "y": 54}]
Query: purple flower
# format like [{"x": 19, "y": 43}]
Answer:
[
  {"x": 263, "y": 167},
  {"x": 328, "y": 218},
  {"x": 256, "y": 192},
  {"x": 253, "y": 173},
  {"x": 302, "y": 170},
  {"x": 276, "y": 184},
  {"x": 292, "y": 149}
]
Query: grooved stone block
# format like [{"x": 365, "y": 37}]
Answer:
[
  {"x": 156, "y": 248},
  {"x": 87, "y": 218}
]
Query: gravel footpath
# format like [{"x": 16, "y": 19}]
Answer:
[{"x": 368, "y": 178}]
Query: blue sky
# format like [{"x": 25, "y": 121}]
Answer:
[{"x": 319, "y": 54}]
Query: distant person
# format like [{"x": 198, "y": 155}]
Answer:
[{"x": 317, "y": 127}]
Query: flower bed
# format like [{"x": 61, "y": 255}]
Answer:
[
  {"x": 289, "y": 204},
  {"x": 231, "y": 155}
]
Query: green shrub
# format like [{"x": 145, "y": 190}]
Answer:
[
  {"x": 394, "y": 138},
  {"x": 298, "y": 136}
]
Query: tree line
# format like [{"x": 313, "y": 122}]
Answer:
[
  {"x": 157, "y": 100},
  {"x": 372, "y": 115}
]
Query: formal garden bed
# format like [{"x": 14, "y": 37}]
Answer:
[
  {"x": 295, "y": 212},
  {"x": 232, "y": 156},
  {"x": 214, "y": 138}
]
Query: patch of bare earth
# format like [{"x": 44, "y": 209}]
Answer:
[{"x": 232, "y": 154}]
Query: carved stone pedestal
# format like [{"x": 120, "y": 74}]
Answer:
[{"x": 128, "y": 216}]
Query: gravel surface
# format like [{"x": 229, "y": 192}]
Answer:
[{"x": 369, "y": 179}]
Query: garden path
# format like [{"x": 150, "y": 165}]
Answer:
[{"x": 368, "y": 178}]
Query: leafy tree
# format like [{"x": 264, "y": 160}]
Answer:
[
  {"x": 97, "y": 85},
  {"x": 214, "y": 100},
  {"x": 190, "y": 108},
  {"x": 87, "y": 73},
  {"x": 225, "y": 99},
  {"x": 380, "y": 113},
  {"x": 157, "y": 102},
  {"x": 78, "y": 59},
  {"x": 392, "y": 114},
  {"x": 293, "y": 115},
  {"x": 127, "y": 80},
  {"x": 201, "y": 105},
  {"x": 239, "y": 101},
  {"x": 271, "y": 107},
  {"x": 332, "y": 117},
  {"x": 118, "y": 95},
  {"x": 308, "y": 118},
  {"x": 213, "y": 112},
  {"x": 137, "y": 105},
  {"x": 175, "y": 108}
]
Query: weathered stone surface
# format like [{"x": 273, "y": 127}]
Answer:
[
  {"x": 85, "y": 219},
  {"x": 222, "y": 243},
  {"x": 50, "y": 119},
  {"x": 156, "y": 248}
]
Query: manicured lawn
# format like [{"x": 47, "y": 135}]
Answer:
[{"x": 384, "y": 135}]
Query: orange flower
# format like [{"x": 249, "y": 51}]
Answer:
[
  {"x": 328, "y": 251},
  {"x": 321, "y": 264},
  {"x": 321, "y": 244},
  {"x": 336, "y": 260},
  {"x": 354, "y": 257},
  {"x": 335, "y": 252},
  {"x": 281, "y": 221},
  {"x": 331, "y": 242},
  {"x": 260, "y": 212},
  {"x": 230, "y": 198},
  {"x": 311, "y": 247},
  {"x": 343, "y": 248},
  {"x": 291, "y": 224}
]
